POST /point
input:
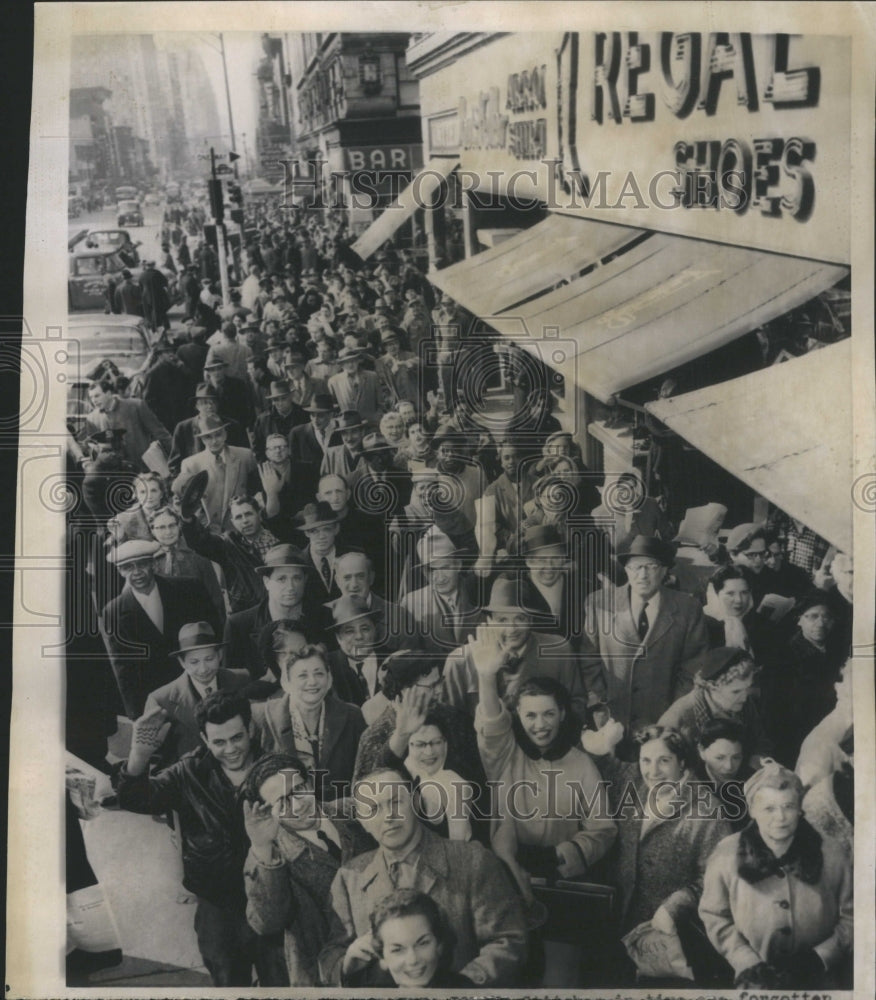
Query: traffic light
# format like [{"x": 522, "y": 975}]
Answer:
[
  {"x": 217, "y": 205},
  {"x": 235, "y": 195}
]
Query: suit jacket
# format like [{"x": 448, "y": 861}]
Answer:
[
  {"x": 640, "y": 680},
  {"x": 342, "y": 728},
  {"x": 337, "y": 461},
  {"x": 272, "y": 422},
  {"x": 317, "y": 586},
  {"x": 304, "y": 396},
  {"x": 185, "y": 443},
  {"x": 365, "y": 400},
  {"x": 138, "y": 652},
  {"x": 304, "y": 446},
  {"x": 510, "y": 498},
  {"x": 179, "y": 699},
  {"x": 243, "y": 630},
  {"x": 440, "y": 635},
  {"x": 240, "y": 476},
  {"x": 235, "y": 402},
  {"x": 465, "y": 880}
]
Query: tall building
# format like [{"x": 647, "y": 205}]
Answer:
[{"x": 357, "y": 114}]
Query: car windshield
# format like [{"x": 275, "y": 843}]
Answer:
[
  {"x": 86, "y": 266},
  {"x": 129, "y": 206},
  {"x": 107, "y": 237}
]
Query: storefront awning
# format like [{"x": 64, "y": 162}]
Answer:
[
  {"x": 664, "y": 302},
  {"x": 530, "y": 262},
  {"x": 416, "y": 195},
  {"x": 786, "y": 431}
]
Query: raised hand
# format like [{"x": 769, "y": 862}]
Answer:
[
  {"x": 271, "y": 479},
  {"x": 360, "y": 953},
  {"x": 485, "y": 651},
  {"x": 262, "y": 826},
  {"x": 410, "y": 714},
  {"x": 151, "y": 729}
]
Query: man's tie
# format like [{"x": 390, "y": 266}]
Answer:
[
  {"x": 643, "y": 623},
  {"x": 330, "y": 845},
  {"x": 326, "y": 573},
  {"x": 393, "y": 873},
  {"x": 359, "y": 664},
  {"x": 220, "y": 461}
]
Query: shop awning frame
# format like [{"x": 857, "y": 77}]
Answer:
[
  {"x": 417, "y": 194},
  {"x": 531, "y": 262},
  {"x": 636, "y": 304},
  {"x": 786, "y": 431}
]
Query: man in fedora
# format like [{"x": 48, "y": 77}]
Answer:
[
  {"x": 639, "y": 636},
  {"x": 319, "y": 524},
  {"x": 397, "y": 370},
  {"x": 274, "y": 352},
  {"x": 378, "y": 472},
  {"x": 361, "y": 636},
  {"x": 200, "y": 654},
  {"x": 302, "y": 387},
  {"x": 513, "y": 615},
  {"x": 283, "y": 415},
  {"x": 442, "y": 609},
  {"x": 308, "y": 442},
  {"x": 185, "y": 441},
  {"x": 233, "y": 396},
  {"x": 287, "y": 578},
  {"x": 141, "y": 626},
  {"x": 355, "y": 389},
  {"x": 230, "y": 470},
  {"x": 342, "y": 459},
  {"x": 545, "y": 551}
]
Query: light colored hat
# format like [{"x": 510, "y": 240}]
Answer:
[
  {"x": 135, "y": 548},
  {"x": 771, "y": 775}
]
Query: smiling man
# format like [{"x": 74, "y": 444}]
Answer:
[
  {"x": 463, "y": 878},
  {"x": 200, "y": 655},
  {"x": 202, "y": 788}
]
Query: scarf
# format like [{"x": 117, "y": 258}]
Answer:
[
  {"x": 735, "y": 633},
  {"x": 803, "y": 858},
  {"x": 308, "y": 748}
]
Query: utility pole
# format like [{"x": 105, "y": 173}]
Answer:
[
  {"x": 228, "y": 98},
  {"x": 216, "y": 205}
]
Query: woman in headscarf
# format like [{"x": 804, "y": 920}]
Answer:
[
  {"x": 777, "y": 898},
  {"x": 723, "y": 763},
  {"x": 151, "y": 494}
]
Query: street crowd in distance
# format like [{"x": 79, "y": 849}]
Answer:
[{"x": 432, "y": 704}]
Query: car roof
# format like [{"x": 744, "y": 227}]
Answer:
[
  {"x": 99, "y": 320},
  {"x": 95, "y": 251}
]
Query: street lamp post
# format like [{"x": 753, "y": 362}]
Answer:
[{"x": 228, "y": 97}]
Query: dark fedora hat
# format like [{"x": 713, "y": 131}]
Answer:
[
  {"x": 279, "y": 389},
  {"x": 209, "y": 424},
  {"x": 281, "y": 556},
  {"x": 315, "y": 515},
  {"x": 205, "y": 391},
  {"x": 376, "y": 442},
  {"x": 193, "y": 492},
  {"x": 542, "y": 536},
  {"x": 348, "y": 420},
  {"x": 196, "y": 635},
  {"x": 215, "y": 363},
  {"x": 352, "y": 354},
  {"x": 350, "y": 609},
  {"x": 653, "y": 548},
  {"x": 322, "y": 402}
]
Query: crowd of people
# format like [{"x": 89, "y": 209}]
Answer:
[{"x": 423, "y": 694}]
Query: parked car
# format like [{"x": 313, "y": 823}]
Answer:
[
  {"x": 91, "y": 275},
  {"x": 118, "y": 343},
  {"x": 130, "y": 213}
]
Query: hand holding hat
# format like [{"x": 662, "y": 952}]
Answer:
[{"x": 192, "y": 494}]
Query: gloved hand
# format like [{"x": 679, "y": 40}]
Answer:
[{"x": 762, "y": 976}]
